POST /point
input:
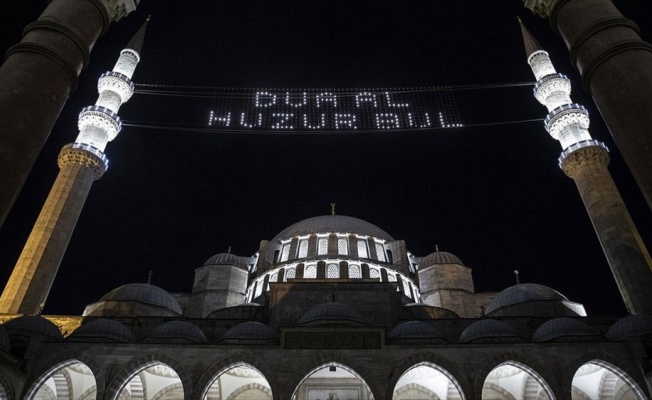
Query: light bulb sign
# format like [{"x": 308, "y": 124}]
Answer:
[{"x": 327, "y": 110}]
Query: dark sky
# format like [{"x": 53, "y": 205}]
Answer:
[{"x": 492, "y": 195}]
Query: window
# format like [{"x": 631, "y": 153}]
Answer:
[
  {"x": 322, "y": 246},
  {"x": 406, "y": 289},
  {"x": 285, "y": 253},
  {"x": 311, "y": 272},
  {"x": 380, "y": 252},
  {"x": 291, "y": 273},
  {"x": 362, "y": 248},
  {"x": 391, "y": 278},
  {"x": 374, "y": 273},
  {"x": 303, "y": 248},
  {"x": 273, "y": 278},
  {"x": 333, "y": 271},
  {"x": 354, "y": 272},
  {"x": 342, "y": 246}
]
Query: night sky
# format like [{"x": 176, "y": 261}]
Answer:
[{"x": 492, "y": 195}]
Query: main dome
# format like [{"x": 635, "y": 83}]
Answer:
[{"x": 332, "y": 223}]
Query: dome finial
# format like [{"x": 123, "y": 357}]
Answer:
[
  {"x": 332, "y": 208},
  {"x": 437, "y": 248},
  {"x": 228, "y": 251},
  {"x": 518, "y": 281},
  {"x": 149, "y": 276}
]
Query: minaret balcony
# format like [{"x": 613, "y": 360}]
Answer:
[
  {"x": 565, "y": 116},
  {"x": 101, "y": 118},
  {"x": 116, "y": 82},
  {"x": 550, "y": 84},
  {"x": 580, "y": 145}
]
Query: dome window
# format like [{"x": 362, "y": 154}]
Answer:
[
  {"x": 342, "y": 246},
  {"x": 380, "y": 251},
  {"x": 322, "y": 246},
  {"x": 291, "y": 273},
  {"x": 354, "y": 272},
  {"x": 311, "y": 272},
  {"x": 333, "y": 271},
  {"x": 362, "y": 249},
  {"x": 285, "y": 253},
  {"x": 303, "y": 248}
]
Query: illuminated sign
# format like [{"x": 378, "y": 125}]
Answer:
[{"x": 314, "y": 110}]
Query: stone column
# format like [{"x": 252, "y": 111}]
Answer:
[
  {"x": 628, "y": 258},
  {"x": 31, "y": 279},
  {"x": 616, "y": 68},
  {"x": 38, "y": 75}
]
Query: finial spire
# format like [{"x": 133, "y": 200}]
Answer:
[
  {"x": 228, "y": 251},
  {"x": 332, "y": 208},
  {"x": 518, "y": 281},
  {"x": 136, "y": 42},
  {"x": 531, "y": 44},
  {"x": 149, "y": 276},
  {"x": 437, "y": 248}
]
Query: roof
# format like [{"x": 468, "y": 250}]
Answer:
[
  {"x": 439, "y": 257},
  {"x": 523, "y": 292},
  {"x": 250, "y": 330},
  {"x": 136, "y": 42},
  {"x": 332, "y": 223},
  {"x": 227, "y": 259},
  {"x": 531, "y": 44},
  {"x": 33, "y": 326},
  {"x": 103, "y": 328},
  {"x": 414, "y": 330},
  {"x": 632, "y": 325},
  {"x": 331, "y": 311},
  {"x": 145, "y": 293},
  {"x": 562, "y": 328},
  {"x": 178, "y": 330},
  {"x": 487, "y": 329}
]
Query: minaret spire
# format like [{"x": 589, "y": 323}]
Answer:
[
  {"x": 80, "y": 163},
  {"x": 585, "y": 160}
]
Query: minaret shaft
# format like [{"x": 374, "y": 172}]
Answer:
[
  {"x": 31, "y": 279},
  {"x": 628, "y": 258}
]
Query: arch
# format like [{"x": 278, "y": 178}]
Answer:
[
  {"x": 332, "y": 380},
  {"x": 514, "y": 380},
  {"x": 6, "y": 392},
  {"x": 174, "y": 391},
  {"x": 205, "y": 389},
  {"x": 602, "y": 380},
  {"x": 430, "y": 379},
  {"x": 237, "y": 382},
  {"x": 68, "y": 379},
  {"x": 155, "y": 372}
]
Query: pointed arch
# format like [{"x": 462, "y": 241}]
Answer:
[
  {"x": 156, "y": 372},
  {"x": 514, "y": 380},
  {"x": 206, "y": 389},
  {"x": 602, "y": 380},
  {"x": 237, "y": 381},
  {"x": 69, "y": 379},
  {"x": 332, "y": 379},
  {"x": 426, "y": 377}
]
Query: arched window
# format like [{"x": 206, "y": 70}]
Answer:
[
  {"x": 311, "y": 272},
  {"x": 156, "y": 379},
  {"x": 273, "y": 278},
  {"x": 427, "y": 381},
  {"x": 238, "y": 382},
  {"x": 511, "y": 379},
  {"x": 380, "y": 252},
  {"x": 332, "y": 381},
  {"x": 59, "y": 382},
  {"x": 303, "y": 248},
  {"x": 343, "y": 246},
  {"x": 362, "y": 249},
  {"x": 354, "y": 272},
  {"x": 374, "y": 273},
  {"x": 333, "y": 271},
  {"x": 285, "y": 253},
  {"x": 600, "y": 380},
  {"x": 291, "y": 273},
  {"x": 406, "y": 288},
  {"x": 391, "y": 278},
  {"x": 322, "y": 246}
]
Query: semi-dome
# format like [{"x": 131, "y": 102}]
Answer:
[
  {"x": 439, "y": 257},
  {"x": 103, "y": 329},
  {"x": 332, "y": 223},
  {"x": 414, "y": 330},
  {"x": 227, "y": 259},
  {"x": 250, "y": 330},
  {"x": 135, "y": 299},
  {"x": 488, "y": 329},
  {"x": 28, "y": 326},
  {"x": 177, "y": 331},
  {"x": 332, "y": 311},
  {"x": 534, "y": 300},
  {"x": 562, "y": 328},
  {"x": 632, "y": 325}
]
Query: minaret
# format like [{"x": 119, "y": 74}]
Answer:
[
  {"x": 80, "y": 163},
  {"x": 585, "y": 160}
]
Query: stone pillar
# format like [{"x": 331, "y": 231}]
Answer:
[
  {"x": 628, "y": 258},
  {"x": 32, "y": 277},
  {"x": 38, "y": 75},
  {"x": 616, "y": 68}
]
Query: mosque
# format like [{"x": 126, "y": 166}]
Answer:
[{"x": 331, "y": 308}]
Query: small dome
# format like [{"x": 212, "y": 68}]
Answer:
[
  {"x": 144, "y": 293},
  {"x": 562, "y": 328},
  {"x": 177, "y": 331},
  {"x": 439, "y": 257},
  {"x": 5, "y": 343},
  {"x": 488, "y": 329},
  {"x": 250, "y": 330},
  {"x": 332, "y": 223},
  {"x": 533, "y": 299},
  {"x": 104, "y": 329},
  {"x": 632, "y": 325},
  {"x": 331, "y": 311},
  {"x": 227, "y": 259},
  {"x": 414, "y": 330},
  {"x": 29, "y": 326}
]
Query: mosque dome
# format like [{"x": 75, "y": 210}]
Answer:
[
  {"x": 533, "y": 300},
  {"x": 103, "y": 329},
  {"x": 227, "y": 259},
  {"x": 488, "y": 330},
  {"x": 439, "y": 257},
  {"x": 177, "y": 331},
  {"x": 562, "y": 328},
  {"x": 5, "y": 343},
  {"x": 28, "y": 326},
  {"x": 414, "y": 330},
  {"x": 332, "y": 223},
  {"x": 632, "y": 325},
  {"x": 250, "y": 330},
  {"x": 135, "y": 299},
  {"x": 331, "y": 311}
]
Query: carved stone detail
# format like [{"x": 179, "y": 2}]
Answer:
[
  {"x": 119, "y": 8},
  {"x": 78, "y": 154},
  {"x": 583, "y": 157},
  {"x": 541, "y": 7}
]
